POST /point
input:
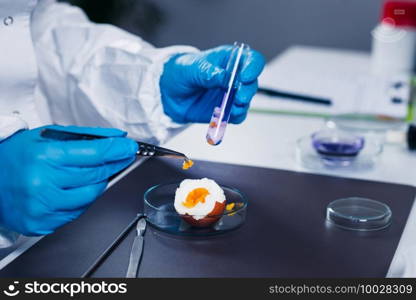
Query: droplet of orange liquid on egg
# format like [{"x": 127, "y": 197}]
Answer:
[{"x": 195, "y": 196}]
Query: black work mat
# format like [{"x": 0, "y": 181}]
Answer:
[{"x": 285, "y": 234}]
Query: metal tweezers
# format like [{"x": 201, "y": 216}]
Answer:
[{"x": 145, "y": 149}]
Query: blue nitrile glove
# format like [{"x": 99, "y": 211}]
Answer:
[
  {"x": 190, "y": 84},
  {"x": 45, "y": 184}
]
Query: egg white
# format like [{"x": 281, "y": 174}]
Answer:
[{"x": 201, "y": 210}]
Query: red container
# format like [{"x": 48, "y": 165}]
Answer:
[{"x": 400, "y": 13}]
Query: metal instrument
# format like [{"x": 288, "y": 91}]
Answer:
[{"x": 136, "y": 249}]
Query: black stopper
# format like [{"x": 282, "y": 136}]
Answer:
[{"x": 411, "y": 137}]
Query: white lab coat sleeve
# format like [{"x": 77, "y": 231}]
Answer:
[
  {"x": 9, "y": 125},
  {"x": 99, "y": 75}
]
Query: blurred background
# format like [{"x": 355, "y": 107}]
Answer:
[{"x": 267, "y": 25}]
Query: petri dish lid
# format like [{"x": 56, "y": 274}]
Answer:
[{"x": 359, "y": 214}]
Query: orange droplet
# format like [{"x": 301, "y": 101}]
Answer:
[
  {"x": 230, "y": 206},
  {"x": 213, "y": 124},
  {"x": 187, "y": 163}
]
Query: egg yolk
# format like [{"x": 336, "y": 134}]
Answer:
[
  {"x": 195, "y": 196},
  {"x": 187, "y": 164}
]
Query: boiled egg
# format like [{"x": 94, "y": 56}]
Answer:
[{"x": 200, "y": 202}]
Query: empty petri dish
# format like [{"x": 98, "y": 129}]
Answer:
[{"x": 359, "y": 214}]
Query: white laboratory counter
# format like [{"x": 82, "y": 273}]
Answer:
[{"x": 269, "y": 141}]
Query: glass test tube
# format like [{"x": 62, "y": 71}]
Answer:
[{"x": 222, "y": 110}]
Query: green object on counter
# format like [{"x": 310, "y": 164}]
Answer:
[
  {"x": 411, "y": 110},
  {"x": 288, "y": 113},
  {"x": 352, "y": 116}
]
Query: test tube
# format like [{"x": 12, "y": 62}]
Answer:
[{"x": 221, "y": 114}]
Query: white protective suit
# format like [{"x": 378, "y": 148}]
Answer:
[{"x": 57, "y": 67}]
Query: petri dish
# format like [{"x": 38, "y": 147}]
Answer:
[
  {"x": 337, "y": 147},
  {"x": 375, "y": 126},
  {"x": 161, "y": 214},
  {"x": 360, "y": 214},
  {"x": 363, "y": 158}
]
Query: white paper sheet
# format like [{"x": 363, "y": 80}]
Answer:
[{"x": 340, "y": 75}]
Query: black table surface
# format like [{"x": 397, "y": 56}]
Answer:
[{"x": 285, "y": 233}]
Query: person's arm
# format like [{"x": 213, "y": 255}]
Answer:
[
  {"x": 100, "y": 75},
  {"x": 46, "y": 183}
]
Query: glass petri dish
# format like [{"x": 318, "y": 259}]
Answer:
[
  {"x": 360, "y": 214},
  {"x": 365, "y": 157},
  {"x": 378, "y": 127},
  {"x": 337, "y": 147},
  {"x": 161, "y": 214}
]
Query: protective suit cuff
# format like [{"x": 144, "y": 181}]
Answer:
[
  {"x": 162, "y": 124},
  {"x": 9, "y": 125}
]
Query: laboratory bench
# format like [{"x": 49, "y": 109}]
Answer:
[
  {"x": 268, "y": 141},
  {"x": 263, "y": 141}
]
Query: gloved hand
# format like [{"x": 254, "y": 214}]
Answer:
[
  {"x": 191, "y": 84},
  {"x": 45, "y": 183}
]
